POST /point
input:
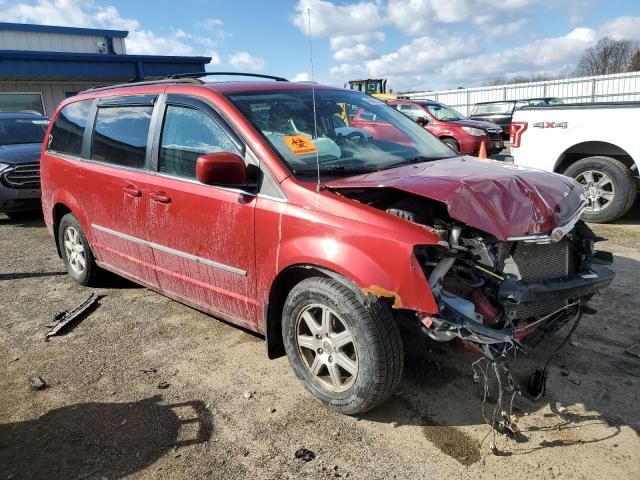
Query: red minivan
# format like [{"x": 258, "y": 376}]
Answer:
[{"x": 242, "y": 200}]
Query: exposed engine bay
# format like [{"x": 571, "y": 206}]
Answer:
[
  {"x": 495, "y": 294},
  {"x": 500, "y": 296}
]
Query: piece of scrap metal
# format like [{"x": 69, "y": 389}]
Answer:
[
  {"x": 65, "y": 318},
  {"x": 634, "y": 350}
]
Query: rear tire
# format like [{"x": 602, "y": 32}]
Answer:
[
  {"x": 76, "y": 252},
  {"x": 452, "y": 144},
  {"x": 364, "y": 339},
  {"x": 609, "y": 185}
]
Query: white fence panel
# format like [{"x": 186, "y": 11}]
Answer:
[{"x": 621, "y": 87}]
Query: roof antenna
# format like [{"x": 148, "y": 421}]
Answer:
[{"x": 313, "y": 99}]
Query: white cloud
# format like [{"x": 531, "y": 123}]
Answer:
[
  {"x": 245, "y": 60},
  {"x": 328, "y": 19},
  {"x": 338, "y": 42},
  {"x": 301, "y": 77},
  {"x": 421, "y": 55},
  {"x": 416, "y": 17},
  {"x": 347, "y": 70},
  {"x": 506, "y": 30},
  {"x": 545, "y": 55},
  {"x": 77, "y": 13},
  {"x": 359, "y": 51},
  {"x": 627, "y": 28}
]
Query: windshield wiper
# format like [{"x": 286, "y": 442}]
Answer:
[
  {"x": 334, "y": 169},
  {"x": 411, "y": 161}
]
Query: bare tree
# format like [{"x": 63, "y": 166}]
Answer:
[
  {"x": 606, "y": 56},
  {"x": 634, "y": 65}
]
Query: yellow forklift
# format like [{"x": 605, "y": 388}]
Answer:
[{"x": 376, "y": 87}]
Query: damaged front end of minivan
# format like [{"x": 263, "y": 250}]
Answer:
[{"x": 514, "y": 261}]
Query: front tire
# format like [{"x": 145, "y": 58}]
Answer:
[
  {"x": 609, "y": 186},
  {"x": 452, "y": 144},
  {"x": 347, "y": 354},
  {"x": 76, "y": 252}
]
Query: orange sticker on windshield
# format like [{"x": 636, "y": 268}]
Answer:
[{"x": 300, "y": 145}]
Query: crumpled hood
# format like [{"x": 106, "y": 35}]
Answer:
[
  {"x": 498, "y": 198},
  {"x": 20, "y": 153}
]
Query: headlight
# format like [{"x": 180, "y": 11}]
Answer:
[
  {"x": 476, "y": 132},
  {"x": 4, "y": 166}
]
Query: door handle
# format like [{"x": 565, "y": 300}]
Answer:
[
  {"x": 160, "y": 197},
  {"x": 132, "y": 191}
]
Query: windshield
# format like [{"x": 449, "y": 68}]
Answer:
[
  {"x": 15, "y": 131},
  {"x": 377, "y": 137},
  {"x": 491, "y": 108},
  {"x": 444, "y": 113}
]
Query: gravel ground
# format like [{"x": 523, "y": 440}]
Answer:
[{"x": 227, "y": 412}]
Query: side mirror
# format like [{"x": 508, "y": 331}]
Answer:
[
  {"x": 223, "y": 169},
  {"x": 422, "y": 121}
]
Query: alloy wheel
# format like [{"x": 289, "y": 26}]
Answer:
[
  {"x": 598, "y": 188},
  {"x": 74, "y": 250},
  {"x": 327, "y": 347}
]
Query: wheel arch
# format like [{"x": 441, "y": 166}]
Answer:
[
  {"x": 594, "y": 148},
  {"x": 280, "y": 288},
  {"x": 59, "y": 210}
]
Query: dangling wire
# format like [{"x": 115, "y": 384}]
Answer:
[{"x": 313, "y": 99}]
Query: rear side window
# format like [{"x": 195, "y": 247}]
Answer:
[
  {"x": 120, "y": 135},
  {"x": 188, "y": 133},
  {"x": 68, "y": 128}
]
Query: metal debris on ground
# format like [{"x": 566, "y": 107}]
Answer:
[
  {"x": 634, "y": 350},
  {"x": 63, "y": 319},
  {"x": 304, "y": 454},
  {"x": 247, "y": 395},
  {"x": 37, "y": 383}
]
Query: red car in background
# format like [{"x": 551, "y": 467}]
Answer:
[{"x": 460, "y": 133}]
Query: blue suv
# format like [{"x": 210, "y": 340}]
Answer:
[{"x": 21, "y": 136}]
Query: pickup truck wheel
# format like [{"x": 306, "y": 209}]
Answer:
[
  {"x": 76, "y": 253},
  {"x": 346, "y": 354},
  {"x": 608, "y": 184},
  {"x": 452, "y": 144}
]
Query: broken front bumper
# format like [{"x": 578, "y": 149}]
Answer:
[
  {"x": 575, "y": 291},
  {"x": 514, "y": 294}
]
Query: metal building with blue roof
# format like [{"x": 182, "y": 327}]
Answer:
[{"x": 40, "y": 65}]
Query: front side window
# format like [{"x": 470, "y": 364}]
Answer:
[
  {"x": 379, "y": 136},
  {"x": 120, "y": 135},
  {"x": 22, "y": 130},
  {"x": 68, "y": 128},
  {"x": 188, "y": 133}
]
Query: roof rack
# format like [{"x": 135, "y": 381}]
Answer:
[
  {"x": 145, "y": 82},
  {"x": 234, "y": 74},
  {"x": 193, "y": 77}
]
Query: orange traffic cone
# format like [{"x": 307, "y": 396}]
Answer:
[{"x": 482, "y": 153}]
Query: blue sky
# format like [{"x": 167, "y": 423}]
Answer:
[{"x": 416, "y": 44}]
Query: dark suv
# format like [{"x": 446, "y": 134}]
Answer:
[
  {"x": 21, "y": 136},
  {"x": 501, "y": 112}
]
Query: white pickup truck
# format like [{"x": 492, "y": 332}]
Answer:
[{"x": 597, "y": 144}]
